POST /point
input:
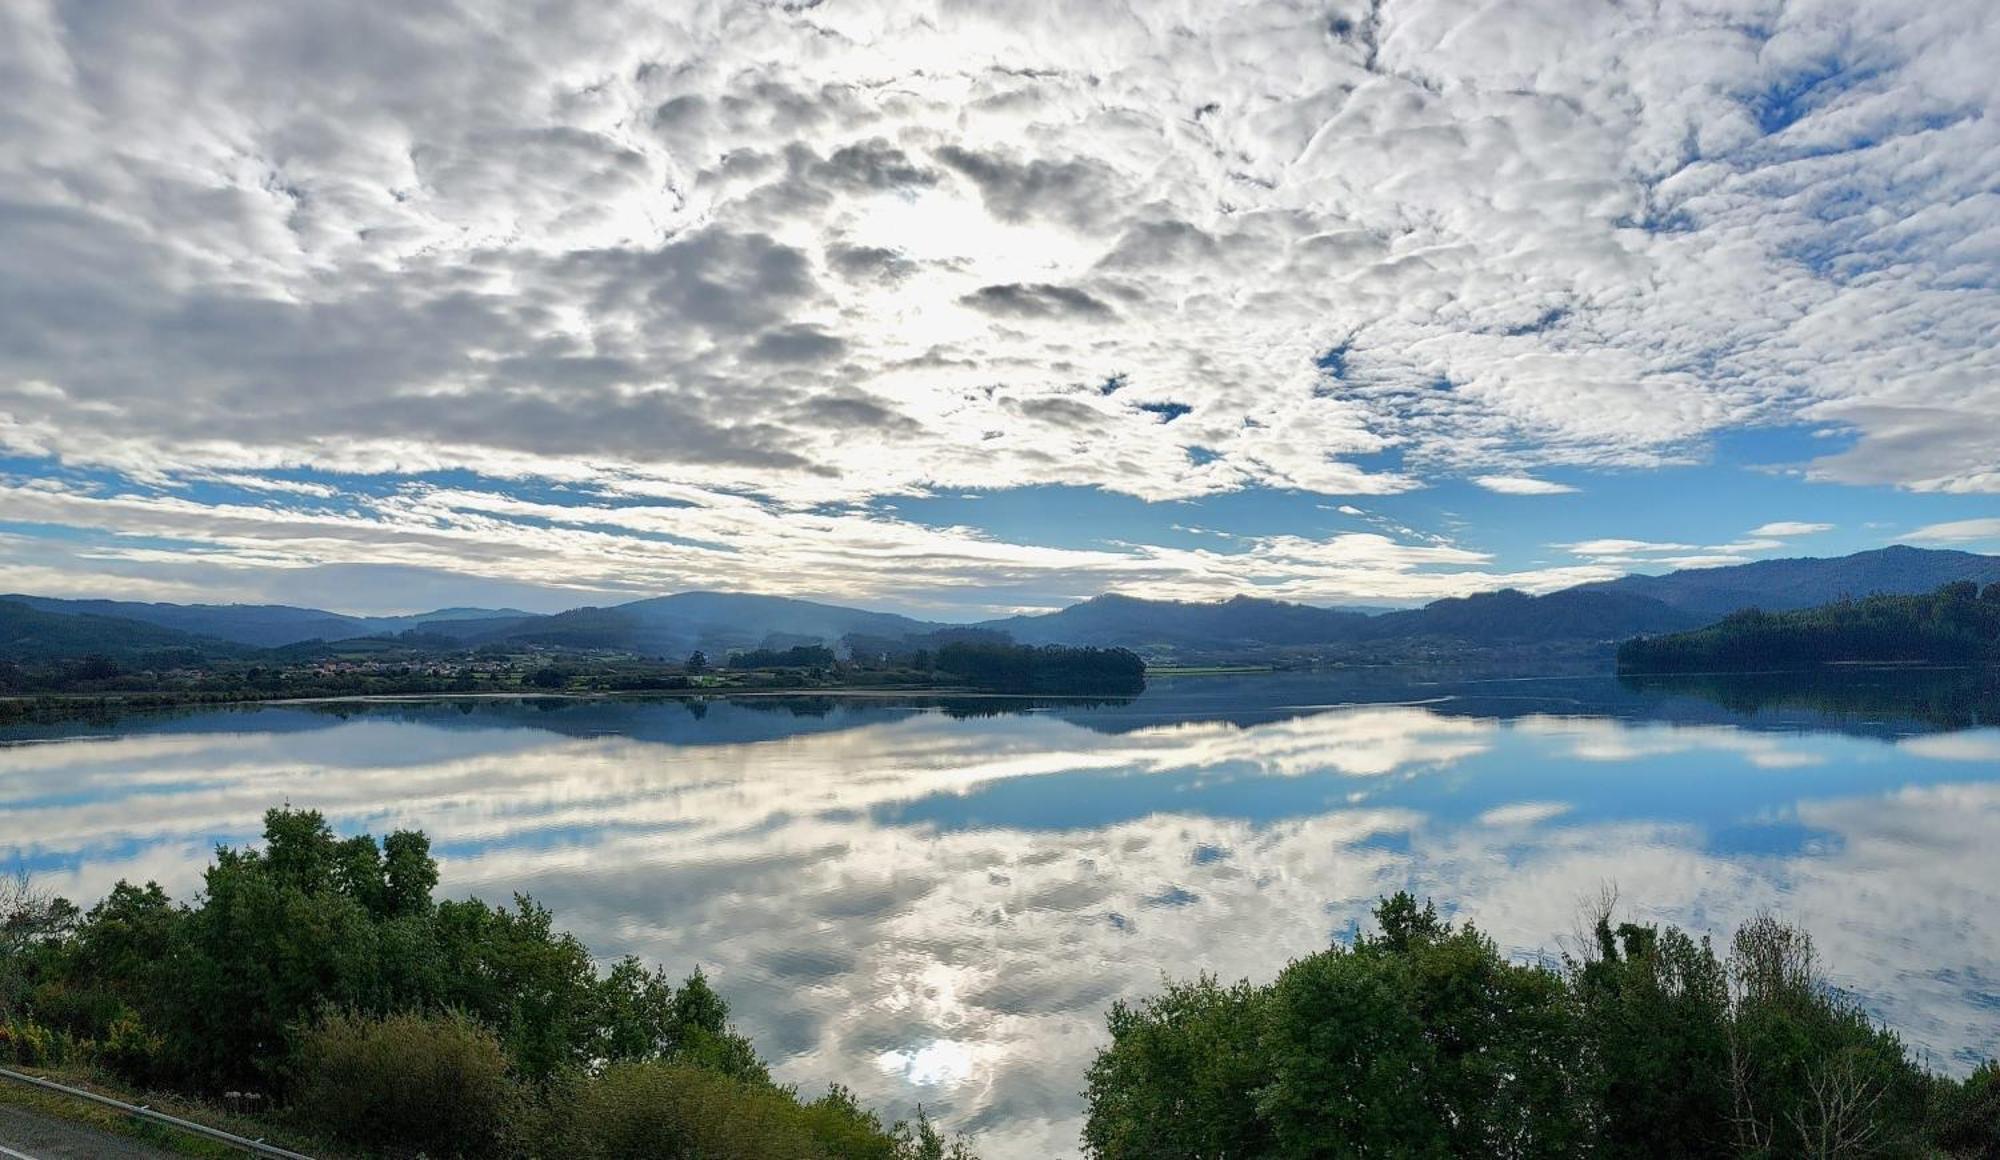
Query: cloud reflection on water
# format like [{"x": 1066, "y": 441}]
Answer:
[{"x": 940, "y": 909}]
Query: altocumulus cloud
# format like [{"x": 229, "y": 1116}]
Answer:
[{"x": 779, "y": 261}]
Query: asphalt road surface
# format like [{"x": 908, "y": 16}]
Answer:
[{"x": 27, "y": 1135}]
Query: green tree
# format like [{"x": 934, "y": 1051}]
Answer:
[
  {"x": 1655, "y": 1010},
  {"x": 1181, "y": 1076}
]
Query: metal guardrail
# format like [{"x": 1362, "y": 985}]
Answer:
[{"x": 141, "y": 1112}]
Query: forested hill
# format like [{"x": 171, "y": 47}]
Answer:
[
  {"x": 269, "y": 625},
  {"x": 1955, "y": 625},
  {"x": 31, "y": 636},
  {"x": 1805, "y": 582},
  {"x": 1132, "y": 622}
]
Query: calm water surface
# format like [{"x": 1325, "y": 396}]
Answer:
[{"x": 935, "y": 902}]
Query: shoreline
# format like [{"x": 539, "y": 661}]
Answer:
[{"x": 19, "y": 708}]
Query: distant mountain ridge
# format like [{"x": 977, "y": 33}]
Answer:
[
  {"x": 258, "y": 625},
  {"x": 721, "y": 622},
  {"x": 30, "y": 635},
  {"x": 1807, "y": 582}
]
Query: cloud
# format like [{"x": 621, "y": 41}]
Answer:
[
  {"x": 1957, "y": 532},
  {"x": 1790, "y": 528},
  {"x": 1016, "y": 300},
  {"x": 1615, "y": 547},
  {"x": 602, "y": 538},
  {"x": 1522, "y": 485},
  {"x": 831, "y": 254}
]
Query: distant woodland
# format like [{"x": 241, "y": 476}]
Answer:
[{"x": 1959, "y": 624}]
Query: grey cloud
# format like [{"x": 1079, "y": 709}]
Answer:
[
  {"x": 1162, "y": 243},
  {"x": 1037, "y": 300},
  {"x": 1077, "y": 191},
  {"x": 873, "y": 165},
  {"x": 799, "y": 343},
  {"x": 849, "y": 409},
  {"x": 867, "y": 263}
]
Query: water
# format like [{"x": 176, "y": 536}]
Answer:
[{"x": 936, "y": 901}]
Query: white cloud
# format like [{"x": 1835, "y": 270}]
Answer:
[
  {"x": 620, "y": 539},
  {"x": 1522, "y": 485},
  {"x": 1790, "y": 528},
  {"x": 834, "y": 253},
  {"x": 1621, "y": 548},
  {"x": 1957, "y": 532},
  {"x": 851, "y": 225}
]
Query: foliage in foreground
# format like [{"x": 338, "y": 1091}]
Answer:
[
  {"x": 1422, "y": 1040},
  {"x": 321, "y": 972}
]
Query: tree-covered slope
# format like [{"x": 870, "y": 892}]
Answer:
[
  {"x": 715, "y": 622},
  {"x": 1128, "y": 621},
  {"x": 30, "y": 636},
  {"x": 1957, "y": 624},
  {"x": 260, "y": 625},
  {"x": 1510, "y": 616},
  {"x": 1780, "y": 585}
]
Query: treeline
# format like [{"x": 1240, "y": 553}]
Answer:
[
  {"x": 321, "y": 973},
  {"x": 1423, "y": 1040},
  {"x": 1053, "y": 669},
  {"x": 1956, "y": 625},
  {"x": 802, "y": 656}
]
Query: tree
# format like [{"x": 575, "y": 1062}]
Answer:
[
  {"x": 319, "y": 969},
  {"x": 1422, "y": 1040},
  {"x": 96, "y": 668},
  {"x": 697, "y": 662},
  {"x": 1181, "y": 1077}
]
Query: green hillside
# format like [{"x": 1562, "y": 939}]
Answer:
[
  {"x": 32, "y": 637},
  {"x": 1957, "y": 624}
]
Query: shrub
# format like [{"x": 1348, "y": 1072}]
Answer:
[
  {"x": 671, "y": 1110},
  {"x": 435, "y": 1083},
  {"x": 130, "y": 1050},
  {"x": 25, "y": 1042}
]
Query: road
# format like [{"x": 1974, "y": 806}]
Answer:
[{"x": 28, "y": 1135}]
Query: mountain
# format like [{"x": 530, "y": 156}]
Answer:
[
  {"x": 1511, "y": 616},
  {"x": 721, "y": 622},
  {"x": 1246, "y": 623},
  {"x": 1806, "y": 582},
  {"x": 29, "y": 635},
  {"x": 257, "y": 625},
  {"x": 715, "y": 622},
  {"x": 1130, "y": 622}
]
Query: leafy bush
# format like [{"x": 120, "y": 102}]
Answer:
[
  {"x": 431, "y": 1083},
  {"x": 27, "y": 1043},
  {"x": 131, "y": 1051},
  {"x": 674, "y": 1110}
]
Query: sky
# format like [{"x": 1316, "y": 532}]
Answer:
[{"x": 964, "y": 308}]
